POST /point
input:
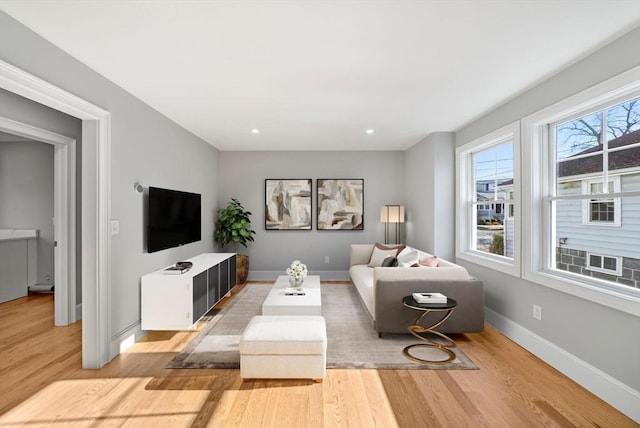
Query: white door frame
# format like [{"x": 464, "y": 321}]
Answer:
[
  {"x": 96, "y": 205},
  {"x": 64, "y": 207}
]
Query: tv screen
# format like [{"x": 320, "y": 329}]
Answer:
[{"x": 173, "y": 219}]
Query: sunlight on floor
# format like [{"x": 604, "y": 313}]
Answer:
[
  {"x": 162, "y": 341},
  {"x": 105, "y": 401}
]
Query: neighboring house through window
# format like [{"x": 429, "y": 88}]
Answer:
[
  {"x": 486, "y": 200},
  {"x": 581, "y": 193},
  {"x": 605, "y": 264},
  {"x": 601, "y": 211},
  {"x": 597, "y": 147}
]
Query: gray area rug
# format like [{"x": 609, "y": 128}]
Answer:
[{"x": 352, "y": 341}]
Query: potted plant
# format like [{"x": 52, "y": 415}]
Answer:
[{"x": 234, "y": 227}]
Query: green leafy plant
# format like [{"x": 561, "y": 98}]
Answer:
[{"x": 234, "y": 225}]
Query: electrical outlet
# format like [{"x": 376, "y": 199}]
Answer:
[
  {"x": 537, "y": 312},
  {"x": 115, "y": 227},
  {"x": 326, "y": 259}
]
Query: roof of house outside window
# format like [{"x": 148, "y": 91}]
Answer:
[{"x": 617, "y": 160}]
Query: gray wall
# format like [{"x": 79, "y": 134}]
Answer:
[
  {"x": 26, "y": 196},
  {"x": 145, "y": 147},
  {"x": 601, "y": 336},
  {"x": 242, "y": 176},
  {"x": 430, "y": 191},
  {"x": 26, "y": 111}
]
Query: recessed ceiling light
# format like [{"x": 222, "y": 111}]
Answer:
[
  {"x": 255, "y": 131},
  {"x": 369, "y": 131}
]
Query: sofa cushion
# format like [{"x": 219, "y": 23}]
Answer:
[{"x": 378, "y": 256}]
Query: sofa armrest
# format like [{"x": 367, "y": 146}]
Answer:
[{"x": 360, "y": 254}]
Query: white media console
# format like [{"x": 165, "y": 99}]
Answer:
[{"x": 178, "y": 301}]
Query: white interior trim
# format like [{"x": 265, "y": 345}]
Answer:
[
  {"x": 466, "y": 192},
  {"x": 96, "y": 204},
  {"x": 536, "y": 176},
  {"x": 619, "y": 395},
  {"x": 64, "y": 214}
]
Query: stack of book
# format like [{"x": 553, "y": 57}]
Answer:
[
  {"x": 294, "y": 291},
  {"x": 175, "y": 270},
  {"x": 429, "y": 298}
]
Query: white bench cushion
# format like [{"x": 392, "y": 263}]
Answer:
[{"x": 284, "y": 335}]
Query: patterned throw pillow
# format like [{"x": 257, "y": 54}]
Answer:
[
  {"x": 408, "y": 257},
  {"x": 378, "y": 256}
]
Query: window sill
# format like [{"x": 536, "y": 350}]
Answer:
[
  {"x": 498, "y": 263},
  {"x": 624, "y": 300},
  {"x": 603, "y": 224}
]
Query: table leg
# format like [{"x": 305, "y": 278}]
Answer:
[{"x": 420, "y": 332}]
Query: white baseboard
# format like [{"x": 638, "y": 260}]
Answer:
[
  {"x": 619, "y": 395},
  {"x": 325, "y": 275},
  {"x": 121, "y": 341},
  {"x": 79, "y": 312}
]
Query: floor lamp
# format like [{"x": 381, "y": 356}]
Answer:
[{"x": 392, "y": 214}]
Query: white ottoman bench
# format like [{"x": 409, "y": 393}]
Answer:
[{"x": 284, "y": 346}]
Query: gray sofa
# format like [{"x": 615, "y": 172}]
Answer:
[{"x": 382, "y": 289}]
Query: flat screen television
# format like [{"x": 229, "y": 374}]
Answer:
[{"x": 173, "y": 218}]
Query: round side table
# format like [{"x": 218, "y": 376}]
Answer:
[{"x": 421, "y": 332}]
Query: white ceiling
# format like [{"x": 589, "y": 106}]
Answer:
[{"x": 314, "y": 75}]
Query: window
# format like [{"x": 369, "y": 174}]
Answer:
[
  {"x": 597, "y": 147},
  {"x": 605, "y": 264},
  {"x": 492, "y": 167},
  {"x": 601, "y": 211},
  {"x": 487, "y": 197},
  {"x": 581, "y": 194}
]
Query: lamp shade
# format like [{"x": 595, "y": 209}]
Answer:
[{"x": 392, "y": 214}]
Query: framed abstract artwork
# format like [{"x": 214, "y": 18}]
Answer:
[
  {"x": 287, "y": 204},
  {"x": 340, "y": 204}
]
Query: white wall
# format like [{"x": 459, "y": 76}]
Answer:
[
  {"x": 429, "y": 193},
  {"x": 26, "y": 196},
  {"x": 145, "y": 147},
  {"x": 572, "y": 329},
  {"x": 243, "y": 174}
]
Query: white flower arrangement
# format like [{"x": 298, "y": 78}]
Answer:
[{"x": 297, "y": 271}]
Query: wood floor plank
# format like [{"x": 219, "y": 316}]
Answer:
[
  {"x": 379, "y": 405},
  {"x": 410, "y": 407},
  {"x": 42, "y": 384}
]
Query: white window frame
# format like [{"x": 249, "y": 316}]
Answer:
[
  {"x": 466, "y": 200},
  {"x": 617, "y": 271},
  {"x": 537, "y": 189},
  {"x": 586, "y": 203}
]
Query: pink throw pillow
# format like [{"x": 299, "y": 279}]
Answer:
[{"x": 431, "y": 261}]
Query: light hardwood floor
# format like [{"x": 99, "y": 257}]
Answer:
[{"x": 42, "y": 384}]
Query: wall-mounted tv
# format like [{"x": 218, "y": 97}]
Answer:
[{"x": 173, "y": 218}]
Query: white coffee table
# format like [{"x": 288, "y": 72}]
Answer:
[{"x": 277, "y": 303}]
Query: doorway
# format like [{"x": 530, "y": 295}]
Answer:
[
  {"x": 64, "y": 209},
  {"x": 95, "y": 237}
]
